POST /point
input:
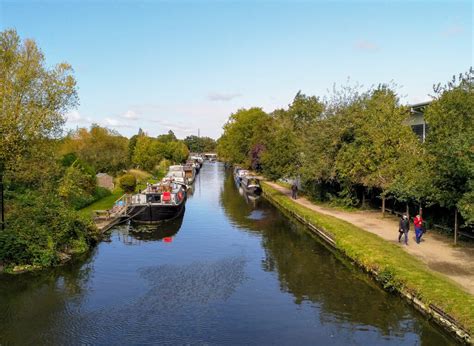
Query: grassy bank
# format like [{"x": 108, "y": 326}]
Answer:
[
  {"x": 396, "y": 269},
  {"x": 102, "y": 204}
]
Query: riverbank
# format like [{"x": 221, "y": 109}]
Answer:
[{"x": 436, "y": 296}]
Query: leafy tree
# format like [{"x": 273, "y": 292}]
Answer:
[
  {"x": 33, "y": 98},
  {"x": 450, "y": 145},
  {"x": 169, "y": 137},
  {"x": 148, "y": 153},
  {"x": 200, "y": 144},
  {"x": 283, "y": 149},
  {"x": 379, "y": 143},
  {"x": 304, "y": 110},
  {"x": 243, "y": 130},
  {"x": 103, "y": 149},
  {"x": 178, "y": 151}
]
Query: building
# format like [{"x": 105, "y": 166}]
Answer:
[
  {"x": 417, "y": 119},
  {"x": 105, "y": 180}
]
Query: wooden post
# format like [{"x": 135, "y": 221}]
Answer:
[
  {"x": 455, "y": 226},
  {"x": 383, "y": 205}
]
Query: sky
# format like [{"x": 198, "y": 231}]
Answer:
[{"x": 186, "y": 66}]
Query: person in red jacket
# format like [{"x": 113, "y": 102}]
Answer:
[{"x": 418, "y": 221}]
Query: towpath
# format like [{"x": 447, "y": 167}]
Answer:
[{"x": 436, "y": 251}]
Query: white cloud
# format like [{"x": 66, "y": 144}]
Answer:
[
  {"x": 216, "y": 96},
  {"x": 111, "y": 122},
  {"x": 130, "y": 115},
  {"x": 366, "y": 45},
  {"x": 76, "y": 118}
]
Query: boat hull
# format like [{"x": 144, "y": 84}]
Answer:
[
  {"x": 252, "y": 190},
  {"x": 154, "y": 213}
]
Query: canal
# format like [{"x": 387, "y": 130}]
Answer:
[{"x": 230, "y": 271}]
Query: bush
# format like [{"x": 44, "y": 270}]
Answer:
[
  {"x": 40, "y": 226},
  {"x": 128, "y": 182}
]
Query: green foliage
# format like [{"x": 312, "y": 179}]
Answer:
[
  {"x": 284, "y": 150},
  {"x": 77, "y": 186},
  {"x": 200, "y": 144},
  {"x": 128, "y": 182},
  {"x": 378, "y": 143},
  {"x": 40, "y": 224},
  {"x": 169, "y": 137},
  {"x": 149, "y": 151},
  {"x": 450, "y": 144},
  {"x": 178, "y": 152},
  {"x": 103, "y": 149},
  {"x": 243, "y": 130},
  {"x": 304, "y": 111},
  {"x": 33, "y": 98},
  {"x": 40, "y": 227}
]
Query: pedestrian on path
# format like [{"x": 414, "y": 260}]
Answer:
[
  {"x": 294, "y": 191},
  {"x": 418, "y": 222},
  {"x": 403, "y": 228}
]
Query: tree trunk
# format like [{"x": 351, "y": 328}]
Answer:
[
  {"x": 383, "y": 206},
  {"x": 363, "y": 198},
  {"x": 455, "y": 226},
  {"x": 408, "y": 211}
]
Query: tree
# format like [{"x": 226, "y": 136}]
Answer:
[
  {"x": 378, "y": 143},
  {"x": 200, "y": 144},
  {"x": 169, "y": 137},
  {"x": 304, "y": 110},
  {"x": 450, "y": 145},
  {"x": 33, "y": 99},
  {"x": 243, "y": 130},
  {"x": 179, "y": 151},
  {"x": 103, "y": 149},
  {"x": 148, "y": 153},
  {"x": 283, "y": 150}
]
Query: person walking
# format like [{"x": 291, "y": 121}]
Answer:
[
  {"x": 404, "y": 227},
  {"x": 294, "y": 190},
  {"x": 418, "y": 222}
]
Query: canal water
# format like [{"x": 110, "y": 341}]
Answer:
[{"x": 232, "y": 270}]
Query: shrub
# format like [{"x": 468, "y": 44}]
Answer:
[
  {"x": 128, "y": 182},
  {"x": 39, "y": 227}
]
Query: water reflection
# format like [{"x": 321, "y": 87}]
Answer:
[
  {"x": 342, "y": 295},
  {"x": 161, "y": 232}
]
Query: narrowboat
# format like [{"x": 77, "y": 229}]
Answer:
[
  {"x": 251, "y": 185},
  {"x": 157, "y": 203}
]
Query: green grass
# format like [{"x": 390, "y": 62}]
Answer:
[
  {"x": 397, "y": 269},
  {"x": 102, "y": 204}
]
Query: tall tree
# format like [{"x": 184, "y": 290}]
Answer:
[
  {"x": 33, "y": 99},
  {"x": 450, "y": 144},
  {"x": 103, "y": 149},
  {"x": 243, "y": 130}
]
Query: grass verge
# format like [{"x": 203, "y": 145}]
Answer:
[
  {"x": 397, "y": 270},
  {"x": 102, "y": 204}
]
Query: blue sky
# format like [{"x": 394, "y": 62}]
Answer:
[{"x": 184, "y": 65}]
